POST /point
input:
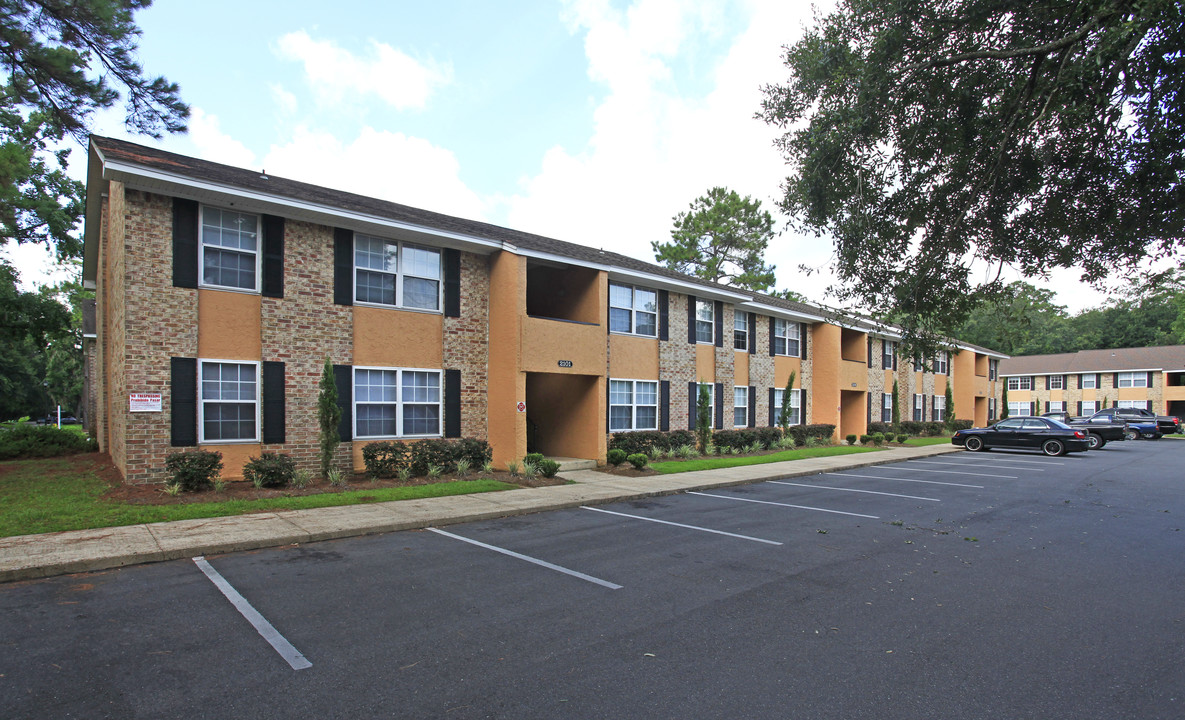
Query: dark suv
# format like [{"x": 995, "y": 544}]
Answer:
[{"x": 1165, "y": 424}]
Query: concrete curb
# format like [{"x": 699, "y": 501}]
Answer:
[{"x": 26, "y": 557}]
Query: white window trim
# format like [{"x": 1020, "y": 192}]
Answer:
[
  {"x": 202, "y": 402},
  {"x": 887, "y": 352},
  {"x": 1089, "y": 407},
  {"x": 1135, "y": 404},
  {"x": 786, "y": 338},
  {"x": 938, "y": 408},
  {"x": 1019, "y": 382},
  {"x": 201, "y": 258},
  {"x": 1056, "y": 406},
  {"x": 399, "y": 403},
  {"x": 1094, "y": 381},
  {"x": 711, "y": 321},
  {"x": 711, "y": 403},
  {"x": 1131, "y": 378},
  {"x": 633, "y": 311},
  {"x": 399, "y": 275},
  {"x": 795, "y": 405},
  {"x": 1060, "y": 384},
  {"x": 1022, "y": 408},
  {"x": 744, "y": 318},
  {"x": 634, "y": 405},
  {"x": 886, "y": 407},
  {"x": 736, "y": 407},
  {"x": 942, "y": 360}
]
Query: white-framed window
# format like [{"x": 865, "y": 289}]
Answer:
[
  {"x": 397, "y": 402},
  {"x": 1089, "y": 407},
  {"x": 705, "y": 321},
  {"x": 991, "y": 409},
  {"x": 1088, "y": 381},
  {"x": 919, "y": 407},
  {"x": 1138, "y": 404},
  {"x": 939, "y": 413},
  {"x": 740, "y": 406},
  {"x": 229, "y": 249},
  {"x": 886, "y": 407},
  {"x": 228, "y": 401},
  {"x": 633, "y": 405},
  {"x": 1133, "y": 379},
  {"x": 890, "y": 347},
  {"x": 795, "y": 405},
  {"x": 1055, "y": 382},
  {"x": 740, "y": 330},
  {"x": 1056, "y": 406},
  {"x": 1020, "y": 383},
  {"x": 786, "y": 337},
  {"x": 942, "y": 363},
  {"x": 711, "y": 401},
  {"x": 993, "y": 369},
  {"x": 395, "y": 274},
  {"x": 1018, "y": 408},
  {"x": 633, "y": 310}
]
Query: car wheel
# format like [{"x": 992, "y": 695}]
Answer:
[
  {"x": 974, "y": 444},
  {"x": 1157, "y": 436},
  {"x": 1053, "y": 448},
  {"x": 1094, "y": 442},
  {"x": 1132, "y": 434}
]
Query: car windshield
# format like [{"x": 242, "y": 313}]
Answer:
[{"x": 1058, "y": 424}]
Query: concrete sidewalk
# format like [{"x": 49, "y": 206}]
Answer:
[{"x": 34, "y": 556}]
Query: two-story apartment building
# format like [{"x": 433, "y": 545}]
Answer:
[
  {"x": 221, "y": 292},
  {"x": 1081, "y": 383}
]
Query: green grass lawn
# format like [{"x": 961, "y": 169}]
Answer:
[
  {"x": 727, "y": 461},
  {"x": 920, "y": 441},
  {"x": 48, "y": 495}
]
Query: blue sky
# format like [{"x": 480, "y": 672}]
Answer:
[{"x": 592, "y": 121}]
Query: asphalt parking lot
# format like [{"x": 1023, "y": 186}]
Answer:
[{"x": 990, "y": 585}]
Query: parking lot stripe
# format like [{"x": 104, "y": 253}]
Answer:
[
  {"x": 870, "y": 492},
  {"x": 770, "y": 502},
  {"x": 947, "y": 472},
  {"x": 963, "y": 464},
  {"x": 528, "y": 558},
  {"x": 290, "y": 654},
  {"x": 689, "y": 527},
  {"x": 913, "y": 480}
]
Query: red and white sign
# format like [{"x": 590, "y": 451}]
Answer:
[
  {"x": 144, "y": 402},
  {"x": 522, "y": 406}
]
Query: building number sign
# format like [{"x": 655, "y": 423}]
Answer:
[{"x": 565, "y": 363}]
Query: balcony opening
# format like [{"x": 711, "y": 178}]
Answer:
[
  {"x": 853, "y": 345},
  {"x": 1174, "y": 379},
  {"x": 563, "y": 292}
]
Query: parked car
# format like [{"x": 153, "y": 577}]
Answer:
[
  {"x": 53, "y": 420},
  {"x": 1050, "y": 436},
  {"x": 1137, "y": 426},
  {"x": 1098, "y": 433},
  {"x": 1167, "y": 424}
]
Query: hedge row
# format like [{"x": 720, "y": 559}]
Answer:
[
  {"x": 37, "y": 441},
  {"x": 644, "y": 441},
  {"x": 384, "y": 459}
]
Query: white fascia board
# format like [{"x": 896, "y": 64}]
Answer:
[
  {"x": 980, "y": 351},
  {"x": 638, "y": 277},
  {"x": 773, "y": 310},
  {"x": 1085, "y": 372},
  {"x": 551, "y": 257},
  {"x": 114, "y": 170}
]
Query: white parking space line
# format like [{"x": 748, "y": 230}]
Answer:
[
  {"x": 947, "y": 472},
  {"x": 870, "y": 492},
  {"x": 689, "y": 527},
  {"x": 290, "y": 654},
  {"x": 964, "y": 464},
  {"x": 995, "y": 458},
  {"x": 528, "y": 558},
  {"x": 770, "y": 502},
  {"x": 912, "y": 480}
]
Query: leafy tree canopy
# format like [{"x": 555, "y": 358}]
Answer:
[
  {"x": 722, "y": 238},
  {"x": 939, "y": 141}
]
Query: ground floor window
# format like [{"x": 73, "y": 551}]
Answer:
[
  {"x": 795, "y": 405},
  {"x": 1089, "y": 407},
  {"x": 919, "y": 408},
  {"x": 1057, "y": 406},
  {"x": 939, "y": 408},
  {"x": 633, "y": 405},
  {"x": 228, "y": 401},
  {"x": 886, "y": 407},
  {"x": 740, "y": 406},
  {"x": 1137, "y": 404},
  {"x": 396, "y": 402},
  {"x": 991, "y": 409},
  {"x": 1019, "y": 409}
]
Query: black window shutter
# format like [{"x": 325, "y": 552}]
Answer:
[
  {"x": 691, "y": 319},
  {"x": 719, "y": 406},
  {"x": 185, "y": 243},
  {"x": 343, "y": 267},
  {"x": 664, "y": 315},
  {"x": 923, "y": 408},
  {"x": 718, "y": 312},
  {"x": 751, "y": 332},
  {"x": 1149, "y": 380},
  {"x": 895, "y": 354},
  {"x": 452, "y": 286},
  {"x": 452, "y": 403},
  {"x": 1114, "y": 380},
  {"x": 692, "y": 393},
  {"x": 802, "y": 339},
  {"x": 772, "y": 412},
  {"x": 664, "y": 405},
  {"x": 772, "y": 345},
  {"x": 868, "y": 342},
  {"x": 1047, "y": 381},
  {"x": 1032, "y": 408},
  {"x": 273, "y": 403},
  {"x": 183, "y": 396},
  {"x": 343, "y": 377},
  {"x": 273, "y": 257},
  {"x": 752, "y": 406},
  {"x": 1065, "y": 383},
  {"x": 801, "y": 405},
  {"x": 1079, "y": 408},
  {"x": 869, "y": 398}
]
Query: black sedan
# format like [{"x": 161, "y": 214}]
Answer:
[{"x": 1050, "y": 436}]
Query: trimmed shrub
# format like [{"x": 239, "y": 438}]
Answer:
[
  {"x": 961, "y": 424},
  {"x": 431, "y": 452},
  {"x": 386, "y": 458},
  {"x": 740, "y": 439},
  {"x": 533, "y": 459},
  {"x": 477, "y": 452},
  {"x": 645, "y": 441},
  {"x": 865, "y": 439},
  {"x": 270, "y": 470},
  {"x": 880, "y": 427},
  {"x": 769, "y": 436},
  {"x": 821, "y": 432},
  {"x": 548, "y": 468},
  {"x": 933, "y": 428},
  {"x": 912, "y": 427},
  {"x": 878, "y": 438},
  {"x": 195, "y": 470},
  {"x": 851, "y": 439},
  {"x": 616, "y": 456},
  {"x": 902, "y": 438},
  {"x": 638, "y": 460},
  {"x": 33, "y": 441}
]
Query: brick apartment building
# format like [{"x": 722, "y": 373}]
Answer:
[{"x": 220, "y": 292}]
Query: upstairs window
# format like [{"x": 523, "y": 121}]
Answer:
[
  {"x": 229, "y": 249},
  {"x": 786, "y": 337},
  {"x": 993, "y": 369},
  {"x": 1020, "y": 383},
  {"x": 705, "y": 322},
  {"x": 740, "y": 330},
  {"x": 942, "y": 363},
  {"x": 1089, "y": 381},
  {"x": 632, "y": 310},
  {"x": 890, "y": 350},
  {"x": 1055, "y": 382},
  {"x": 1133, "y": 379},
  {"x": 396, "y": 274}
]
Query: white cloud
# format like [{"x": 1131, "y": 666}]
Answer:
[
  {"x": 338, "y": 75},
  {"x": 205, "y": 132},
  {"x": 283, "y": 100}
]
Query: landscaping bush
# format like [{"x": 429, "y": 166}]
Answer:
[
  {"x": 739, "y": 439},
  {"x": 270, "y": 470},
  {"x": 477, "y": 452},
  {"x": 195, "y": 470},
  {"x": 616, "y": 456},
  {"x": 961, "y": 424},
  {"x": 533, "y": 459},
  {"x": 646, "y": 441},
  {"x": 386, "y": 458},
  {"x": 851, "y": 439},
  {"x": 431, "y": 452},
  {"x": 911, "y": 427},
  {"x": 547, "y": 467},
  {"x": 820, "y": 432},
  {"x": 865, "y": 439},
  {"x": 933, "y": 429},
  {"x": 638, "y": 460},
  {"x": 878, "y": 438},
  {"x": 880, "y": 427},
  {"x": 34, "y": 441},
  {"x": 769, "y": 436},
  {"x": 902, "y": 438}
]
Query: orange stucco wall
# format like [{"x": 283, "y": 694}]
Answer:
[
  {"x": 507, "y": 383},
  {"x": 825, "y": 371},
  {"x": 853, "y": 375},
  {"x": 783, "y": 366},
  {"x": 234, "y": 457},
  {"x": 546, "y": 343},
  {"x": 963, "y": 392},
  {"x": 740, "y": 366},
  {"x": 634, "y": 358},
  {"x": 229, "y": 325},
  {"x": 397, "y": 338},
  {"x": 705, "y": 363}
]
